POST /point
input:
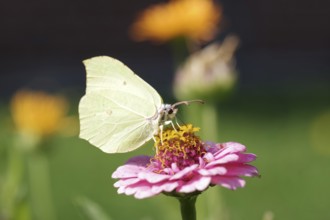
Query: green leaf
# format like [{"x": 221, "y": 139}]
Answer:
[{"x": 90, "y": 209}]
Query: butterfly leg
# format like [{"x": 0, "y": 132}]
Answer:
[
  {"x": 173, "y": 126},
  {"x": 177, "y": 123},
  {"x": 161, "y": 133},
  {"x": 153, "y": 137}
]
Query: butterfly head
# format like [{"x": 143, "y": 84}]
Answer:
[{"x": 168, "y": 112}]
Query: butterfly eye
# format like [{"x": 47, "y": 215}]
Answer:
[{"x": 170, "y": 111}]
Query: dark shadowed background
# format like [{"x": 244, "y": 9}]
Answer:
[{"x": 284, "y": 44}]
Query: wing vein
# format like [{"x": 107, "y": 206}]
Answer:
[{"x": 124, "y": 107}]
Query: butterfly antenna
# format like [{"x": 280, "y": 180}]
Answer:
[{"x": 187, "y": 102}]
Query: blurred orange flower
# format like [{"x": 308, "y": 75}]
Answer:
[
  {"x": 37, "y": 113},
  {"x": 194, "y": 19}
]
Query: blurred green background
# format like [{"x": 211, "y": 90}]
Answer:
[
  {"x": 280, "y": 109},
  {"x": 290, "y": 135}
]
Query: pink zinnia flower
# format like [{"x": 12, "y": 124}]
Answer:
[{"x": 184, "y": 165}]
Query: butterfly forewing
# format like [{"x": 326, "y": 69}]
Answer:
[
  {"x": 105, "y": 73},
  {"x": 116, "y": 111}
]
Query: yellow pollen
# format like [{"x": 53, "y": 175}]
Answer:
[{"x": 179, "y": 146}]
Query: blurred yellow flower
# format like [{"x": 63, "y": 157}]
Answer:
[
  {"x": 37, "y": 113},
  {"x": 320, "y": 133},
  {"x": 194, "y": 19}
]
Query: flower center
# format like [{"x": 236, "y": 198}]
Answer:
[{"x": 180, "y": 146}]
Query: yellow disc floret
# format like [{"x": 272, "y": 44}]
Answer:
[{"x": 180, "y": 146}]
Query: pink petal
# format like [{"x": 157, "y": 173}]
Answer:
[
  {"x": 121, "y": 190},
  {"x": 245, "y": 158},
  {"x": 132, "y": 168},
  {"x": 211, "y": 147},
  {"x": 228, "y": 182},
  {"x": 152, "y": 177},
  {"x": 241, "y": 170},
  {"x": 213, "y": 171},
  {"x": 184, "y": 172},
  {"x": 127, "y": 171},
  {"x": 229, "y": 147},
  {"x": 126, "y": 182},
  {"x": 208, "y": 157},
  {"x": 141, "y": 160},
  {"x": 226, "y": 159},
  {"x": 128, "y": 190},
  {"x": 167, "y": 187},
  {"x": 142, "y": 194},
  {"x": 140, "y": 190},
  {"x": 199, "y": 183},
  {"x": 168, "y": 171},
  {"x": 175, "y": 167},
  {"x": 202, "y": 162}
]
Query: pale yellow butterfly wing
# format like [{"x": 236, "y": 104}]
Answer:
[{"x": 116, "y": 113}]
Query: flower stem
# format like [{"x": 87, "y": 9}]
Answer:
[
  {"x": 39, "y": 183},
  {"x": 210, "y": 121},
  {"x": 187, "y": 205},
  {"x": 12, "y": 183},
  {"x": 180, "y": 52},
  {"x": 212, "y": 202}
]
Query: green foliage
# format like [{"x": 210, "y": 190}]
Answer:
[
  {"x": 293, "y": 184},
  {"x": 90, "y": 209}
]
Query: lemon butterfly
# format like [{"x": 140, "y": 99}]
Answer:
[{"x": 120, "y": 111}]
